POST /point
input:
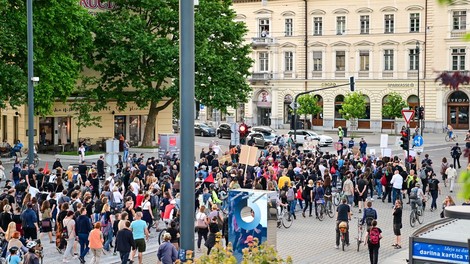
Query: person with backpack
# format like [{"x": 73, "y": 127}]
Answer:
[
  {"x": 369, "y": 215},
  {"x": 290, "y": 197},
  {"x": 417, "y": 197},
  {"x": 444, "y": 166},
  {"x": 374, "y": 235},
  {"x": 456, "y": 152},
  {"x": 434, "y": 190}
]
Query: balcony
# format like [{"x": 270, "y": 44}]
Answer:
[
  {"x": 262, "y": 42},
  {"x": 261, "y": 76},
  {"x": 458, "y": 34}
]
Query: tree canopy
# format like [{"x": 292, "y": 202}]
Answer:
[
  {"x": 393, "y": 105},
  {"x": 62, "y": 47},
  {"x": 308, "y": 105},
  {"x": 354, "y": 106},
  {"x": 138, "y": 47}
]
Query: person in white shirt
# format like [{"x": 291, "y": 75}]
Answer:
[
  {"x": 397, "y": 184},
  {"x": 135, "y": 186},
  {"x": 451, "y": 173},
  {"x": 322, "y": 168}
]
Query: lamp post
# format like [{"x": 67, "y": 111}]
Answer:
[
  {"x": 31, "y": 81},
  {"x": 419, "y": 100}
]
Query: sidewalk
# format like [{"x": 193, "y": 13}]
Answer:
[{"x": 398, "y": 258}]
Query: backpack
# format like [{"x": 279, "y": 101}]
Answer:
[
  {"x": 374, "y": 236},
  {"x": 290, "y": 195},
  {"x": 414, "y": 193},
  {"x": 370, "y": 215},
  {"x": 422, "y": 174}
]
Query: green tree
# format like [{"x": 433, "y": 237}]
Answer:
[
  {"x": 354, "y": 106},
  {"x": 137, "y": 56},
  {"x": 393, "y": 105},
  {"x": 308, "y": 105},
  {"x": 62, "y": 47}
]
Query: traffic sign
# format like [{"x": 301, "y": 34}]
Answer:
[
  {"x": 294, "y": 105},
  {"x": 418, "y": 141},
  {"x": 418, "y": 149},
  {"x": 408, "y": 115}
]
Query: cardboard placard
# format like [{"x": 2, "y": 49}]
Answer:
[
  {"x": 248, "y": 155},
  {"x": 384, "y": 140},
  {"x": 386, "y": 152},
  {"x": 224, "y": 158}
]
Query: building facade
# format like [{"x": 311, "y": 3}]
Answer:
[{"x": 397, "y": 46}]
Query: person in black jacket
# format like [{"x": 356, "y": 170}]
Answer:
[
  {"x": 83, "y": 228},
  {"x": 124, "y": 242},
  {"x": 100, "y": 168}
]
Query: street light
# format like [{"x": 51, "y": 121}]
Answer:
[
  {"x": 419, "y": 100},
  {"x": 31, "y": 81}
]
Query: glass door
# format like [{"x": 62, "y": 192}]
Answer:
[
  {"x": 458, "y": 117},
  {"x": 119, "y": 126}
]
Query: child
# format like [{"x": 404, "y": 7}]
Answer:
[{"x": 14, "y": 257}]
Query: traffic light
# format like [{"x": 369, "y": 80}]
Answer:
[
  {"x": 420, "y": 112},
  {"x": 351, "y": 83},
  {"x": 243, "y": 129},
  {"x": 405, "y": 139}
]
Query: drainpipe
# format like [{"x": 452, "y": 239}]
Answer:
[
  {"x": 424, "y": 61},
  {"x": 306, "y": 53}
]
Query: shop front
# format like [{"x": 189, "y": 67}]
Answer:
[{"x": 457, "y": 110}]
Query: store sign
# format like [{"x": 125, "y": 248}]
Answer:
[
  {"x": 400, "y": 85},
  {"x": 97, "y": 4},
  {"x": 457, "y": 100},
  {"x": 327, "y": 84},
  {"x": 440, "y": 253}
]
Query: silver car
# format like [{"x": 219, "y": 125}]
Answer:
[{"x": 262, "y": 139}]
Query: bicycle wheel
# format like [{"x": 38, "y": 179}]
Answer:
[
  {"x": 322, "y": 211},
  {"x": 287, "y": 219},
  {"x": 419, "y": 216},
  {"x": 343, "y": 241},
  {"x": 413, "y": 218},
  {"x": 447, "y": 138},
  {"x": 336, "y": 199},
  {"x": 359, "y": 237},
  {"x": 160, "y": 236},
  {"x": 329, "y": 209}
]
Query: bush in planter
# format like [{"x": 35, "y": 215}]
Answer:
[{"x": 257, "y": 254}]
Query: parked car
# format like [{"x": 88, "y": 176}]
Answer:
[
  {"x": 224, "y": 130},
  {"x": 302, "y": 135},
  {"x": 262, "y": 139},
  {"x": 262, "y": 129},
  {"x": 204, "y": 130}
]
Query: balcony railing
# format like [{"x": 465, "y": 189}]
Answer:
[
  {"x": 262, "y": 41},
  {"x": 261, "y": 76},
  {"x": 457, "y": 34}
]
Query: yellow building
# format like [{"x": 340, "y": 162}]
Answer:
[
  {"x": 60, "y": 128},
  {"x": 306, "y": 45}
]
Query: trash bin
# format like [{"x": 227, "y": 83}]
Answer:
[{"x": 345, "y": 130}]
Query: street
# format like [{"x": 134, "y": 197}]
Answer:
[{"x": 310, "y": 240}]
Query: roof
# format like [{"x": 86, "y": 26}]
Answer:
[{"x": 448, "y": 231}]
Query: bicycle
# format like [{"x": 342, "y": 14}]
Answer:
[
  {"x": 336, "y": 197},
  {"x": 416, "y": 215},
  {"x": 448, "y": 138},
  {"x": 284, "y": 218},
  {"x": 329, "y": 206},
  {"x": 360, "y": 233},
  {"x": 162, "y": 233}
]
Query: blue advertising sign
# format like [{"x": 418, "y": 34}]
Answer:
[
  {"x": 440, "y": 253},
  {"x": 418, "y": 141}
]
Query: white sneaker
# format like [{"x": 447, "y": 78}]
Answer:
[{"x": 337, "y": 247}]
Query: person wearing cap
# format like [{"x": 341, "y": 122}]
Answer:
[
  {"x": 31, "y": 257},
  {"x": 13, "y": 257}
]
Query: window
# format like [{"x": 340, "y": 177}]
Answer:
[
  {"x": 364, "y": 60},
  {"x": 458, "y": 59},
  {"x": 365, "y": 24},
  {"x": 317, "y": 61},
  {"x": 340, "y": 25},
  {"x": 459, "y": 20},
  {"x": 288, "y": 61},
  {"x": 317, "y": 26},
  {"x": 289, "y": 28},
  {"x": 389, "y": 23},
  {"x": 414, "y": 60},
  {"x": 263, "y": 62},
  {"x": 264, "y": 27},
  {"x": 340, "y": 61},
  {"x": 388, "y": 60},
  {"x": 414, "y": 22}
]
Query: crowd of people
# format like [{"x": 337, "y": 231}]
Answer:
[{"x": 85, "y": 211}]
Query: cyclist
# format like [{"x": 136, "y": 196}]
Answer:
[
  {"x": 417, "y": 197},
  {"x": 450, "y": 132},
  {"x": 343, "y": 214},
  {"x": 319, "y": 195}
]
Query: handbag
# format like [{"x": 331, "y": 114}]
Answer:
[
  {"x": 299, "y": 195},
  {"x": 383, "y": 180},
  {"x": 46, "y": 223}
]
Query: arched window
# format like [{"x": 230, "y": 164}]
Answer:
[
  {"x": 367, "y": 99},
  {"x": 339, "y": 99},
  {"x": 384, "y": 101},
  {"x": 317, "y": 120}
]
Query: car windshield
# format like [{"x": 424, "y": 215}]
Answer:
[
  {"x": 204, "y": 125},
  {"x": 269, "y": 136},
  {"x": 313, "y": 134}
]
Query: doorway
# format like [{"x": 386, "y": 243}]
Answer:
[
  {"x": 46, "y": 131},
  {"x": 457, "y": 110},
  {"x": 119, "y": 126},
  {"x": 264, "y": 116}
]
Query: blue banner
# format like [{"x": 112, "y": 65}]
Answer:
[{"x": 440, "y": 253}]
